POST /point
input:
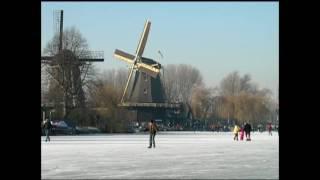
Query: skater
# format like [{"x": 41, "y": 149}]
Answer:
[
  {"x": 270, "y": 129},
  {"x": 47, "y": 127},
  {"x": 241, "y": 133},
  {"x": 235, "y": 132},
  {"x": 247, "y": 130},
  {"x": 152, "y": 129},
  {"x": 260, "y": 128}
]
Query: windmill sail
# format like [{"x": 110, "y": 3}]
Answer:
[
  {"x": 151, "y": 71},
  {"x": 143, "y": 39},
  {"x": 124, "y": 56},
  {"x": 143, "y": 82}
]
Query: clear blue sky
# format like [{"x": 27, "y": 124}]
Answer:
[{"x": 215, "y": 37}]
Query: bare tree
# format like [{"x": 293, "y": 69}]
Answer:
[
  {"x": 104, "y": 95},
  {"x": 109, "y": 83},
  {"x": 243, "y": 100},
  {"x": 121, "y": 78},
  {"x": 201, "y": 102},
  {"x": 230, "y": 85},
  {"x": 180, "y": 80},
  {"x": 245, "y": 83},
  {"x": 60, "y": 75},
  {"x": 72, "y": 40},
  {"x": 45, "y": 79}
]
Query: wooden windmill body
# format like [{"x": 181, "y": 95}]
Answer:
[{"x": 144, "y": 91}]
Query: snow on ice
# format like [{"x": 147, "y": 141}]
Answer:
[{"x": 178, "y": 155}]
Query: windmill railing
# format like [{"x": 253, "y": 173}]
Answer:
[
  {"x": 92, "y": 56},
  {"x": 49, "y": 105},
  {"x": 151, "y": 105}
]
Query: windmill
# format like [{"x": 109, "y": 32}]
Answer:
[
  {"x": 69, "y": 70},
  {"x": 144, "y": 90}
]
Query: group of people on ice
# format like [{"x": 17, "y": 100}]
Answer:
[
  {"x": 243, "y": 130},
  {"x": 246, "y": 129}
]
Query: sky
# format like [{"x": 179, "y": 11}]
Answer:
[{"x": 215, "y": 37}]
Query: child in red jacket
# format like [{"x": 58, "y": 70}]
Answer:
[{"x": 241, "y": 133}]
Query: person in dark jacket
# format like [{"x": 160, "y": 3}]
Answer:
[
  {"x": 47, "y": 127},
  {"x": 247, "y": 130},
  {"x": 152, "y": 129}
]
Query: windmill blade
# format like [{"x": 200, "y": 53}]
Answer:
[
  {"x": 58, "y": 26},
  {"x": 125, "y": 89},
  {"x": 124, "y": 56},
  {"x": 61, "y": 31},
  {"x": 143, "y": 39},
  {"x": 148, "y": 69}
]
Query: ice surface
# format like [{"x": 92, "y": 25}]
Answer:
[{"x": 178, "y": 155}]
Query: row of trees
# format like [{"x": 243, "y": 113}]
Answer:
[
  {"x": 180, "y": 80},
  {"x": 237, "y": 98}
]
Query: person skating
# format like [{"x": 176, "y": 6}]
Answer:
[
  {"x": 247, "y": 130},
  {"x": 270, "y": 129},
  {"x": 235, "y": 132},
  {"x": 241, "y": 133},
  {"x": 152, "y": 129},
  {"x": 259, "y": 128},
  {"x": 47, "y": 127}
]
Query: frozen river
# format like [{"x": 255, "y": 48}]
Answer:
[{"x": 178, "y": 155}]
